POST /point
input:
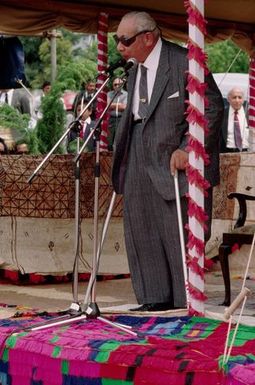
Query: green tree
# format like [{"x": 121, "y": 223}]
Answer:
[
  {"x": 84, "y": 67},
  {"x": 73, "y": 37},
  {"x": 37, "y": 60},
  {"x": 51, "y": 126},
  {"x": 12, "y": 118},
  {"x": 74, "y": 64},
  {"x": 222, "y": 54},
  {"x": 113, "y": 53},
  {"x": 75, "y": 72},
  {"x": 64, "y": 56}
]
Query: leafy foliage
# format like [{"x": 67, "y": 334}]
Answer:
[
  {"x": 75, "y": 73},
  {"x": 114, "y": 55},
  {"x": 221, "y": 56},
  {"x": 51, "y": 126},
  {"x": 10, "y": 117},
  {"x": 64, "y": 56},
  {"x": 71, "y": 36},
  {"x": 74, "y": 64},
  {"x": 31, "y": 139}
]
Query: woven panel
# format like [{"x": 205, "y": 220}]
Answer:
[{"x": 51, "y": 193}]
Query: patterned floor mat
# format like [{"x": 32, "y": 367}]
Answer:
[{"x": 177, "y": 350}]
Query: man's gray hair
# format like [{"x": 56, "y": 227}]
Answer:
[
  {"x": 235, "y": 89},
  {"x": 142, "y": 20}
]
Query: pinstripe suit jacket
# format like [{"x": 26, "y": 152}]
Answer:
[{"x": 165, "y": 127}]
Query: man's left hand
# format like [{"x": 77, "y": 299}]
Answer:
[{"x": 179, "y": 161}]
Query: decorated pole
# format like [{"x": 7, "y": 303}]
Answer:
[
  {"x": 102, "y": 66},
  {"x": 197, "y": 155},
  {"x": 252, "y": 103}
]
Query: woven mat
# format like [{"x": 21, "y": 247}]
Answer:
[{"x": 177, "y": 350}]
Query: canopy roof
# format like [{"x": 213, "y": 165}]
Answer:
[{"x": 235, "y": 18}]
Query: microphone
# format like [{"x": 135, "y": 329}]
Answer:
[
  {"x": 129, "y": 64},
  {"x": 120, "y": 63}
]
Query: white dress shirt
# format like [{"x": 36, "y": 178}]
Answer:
[
  {"x": 84, "y": 126},
  {"x": 9, "y": 96}
]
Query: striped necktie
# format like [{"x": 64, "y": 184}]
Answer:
[
  {"x": 237, "y": 132},
  {"x": 143, "y": 93}
]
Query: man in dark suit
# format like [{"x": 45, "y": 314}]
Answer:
[
  {"x": 148, "y": 149},
  {"x": 234, "y": 110}
]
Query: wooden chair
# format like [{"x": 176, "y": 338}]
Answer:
[{"x": 229, "y": 239}]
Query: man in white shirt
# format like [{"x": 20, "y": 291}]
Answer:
[
  {"x": 46, "y": 88},
  {"x": 234, "y": 114}
]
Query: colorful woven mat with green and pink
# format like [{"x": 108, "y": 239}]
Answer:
[{"x": 176, "y": 350}]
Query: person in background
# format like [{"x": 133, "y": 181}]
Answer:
[
  {"x": 235, "y": 130},
  {"x": 86, "y": 125},
  {"x": 21, "y": 149},
  {"x": 87, "y": 92},
  {"x": 17, "y": 98},
  {"x": 150, "y": 146},
  {"x": 46, "y": 87},
  {"x": 116, "y": 109}
]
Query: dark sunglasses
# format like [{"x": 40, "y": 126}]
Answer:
[{"x": 127, "y": 41}]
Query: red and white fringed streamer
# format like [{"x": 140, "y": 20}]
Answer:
[
  {"x": 102, "y": 66},
  {"x": 197, "y": 155},
  {"x": 252, "y": 104}
]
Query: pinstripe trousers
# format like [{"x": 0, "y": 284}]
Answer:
[{"x": 151, "y": 234}]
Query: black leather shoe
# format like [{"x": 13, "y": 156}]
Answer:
[{"x": 154, "y": 307}]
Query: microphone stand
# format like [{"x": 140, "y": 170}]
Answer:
[
  {"x": 75, "y": 305},
  {"x": 75, "y": 312},
  {"x": 91, "y": 309},
  {"x": 75, "y": 127}
]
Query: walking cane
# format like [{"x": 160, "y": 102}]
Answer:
[{"x": 182, "y": 242}]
